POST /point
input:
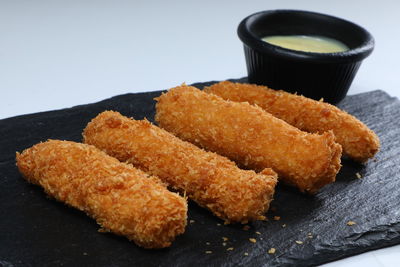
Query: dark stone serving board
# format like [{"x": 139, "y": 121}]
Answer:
[{"x": 38, "y": 231}]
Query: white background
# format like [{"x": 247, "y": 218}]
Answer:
[{"x": 56, "y": 54}]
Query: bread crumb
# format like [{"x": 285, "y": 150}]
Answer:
[
  {"x": 246, "y": 227},
  {"x": 284, "y": 225},
  {"x": 273, "y": 209},
  {"x": 85, "y": 253},
  {"x": 258, "y": 233},
  {"x": 253, "y": 240},
  {"x": 230, "y": 249},
  {"x": 208, "y": 251},
  {"x": 310, "y": 235},
  {"x": 192, "y": 221},
  {"x": 225, "y": 238},
  {"x": 299, "y": 242},
  {"x": 277, "y": 218},
  {"x": 218, "y": 224},
  {"x": 224, "y": 244},
  {"x": 262, "y": 218},
  {"x": 271, "y": 251},
  {"x": 246, "y": 254},
  {"x": 208, "y": 243},
  {"x": 358, "y": 175},
  {"x": 351, "y": 223}
]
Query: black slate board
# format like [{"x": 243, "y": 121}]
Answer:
[{"x": 38, "y": 231}]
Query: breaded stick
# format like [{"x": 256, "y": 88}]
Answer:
[
  {"x": 250, "y": 136},
  {"x": 122, "y": 199},
  {"x": 357, "y": 140},
  {"x": 211, "y": 180}
]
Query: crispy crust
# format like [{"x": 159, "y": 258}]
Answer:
[
  {"x": 250, "y": 136},
  {"x": 357, "y": 140},
  {"x": 211, "y": 180},
  {"x": 122, "y": 199}
]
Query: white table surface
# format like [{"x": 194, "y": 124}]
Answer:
[{"x": 56, "y": 54}]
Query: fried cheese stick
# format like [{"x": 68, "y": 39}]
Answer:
[
  {"x": 122, "y": 199},
  {"x": 209, "y": 179},
  {"x": 357, "y": 140},
  {"x": 250, "y": 136}
]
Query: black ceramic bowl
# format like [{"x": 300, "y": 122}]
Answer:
[{"x": 315, "y": 75}]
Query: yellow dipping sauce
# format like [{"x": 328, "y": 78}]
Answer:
[{"x": 316, "y": 44}]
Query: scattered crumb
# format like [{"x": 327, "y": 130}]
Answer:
[
  {"x": 208, "y": 243},
  {"x": 226, "y": 223},
  {"x": 351, "y": 223},
  {"x": 192, "y": 221},
  {"x": 253, "y": 240},
  {"x": 271, "y": 251},
  {"x": 85, "y": 253},
  {"x": 224, "y": 244},
  {"x": 262, "y": 218},
  {"x": 321, "y": 100},
  {"x": 218, "y": 224},
  {"x": 208, "y": 251},
  {"x": 246, "y": 227},
  {"x": 284, "y": 225},
  {"x": 299, "y": 242},
  {"x": 277, "y": 218},
  {"x": 272, "y": 209},
  {"x": 258, "y": 233},
  {"x": 225, "y": 238},
  {"x": 229, "y": 249},
  {"x": 310, "y": 235},
  {"x": 358, "y": 175},
  {"x": 246, "y": 254}
]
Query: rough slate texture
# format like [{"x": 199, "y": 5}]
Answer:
[{"x": 38, "y": 231}]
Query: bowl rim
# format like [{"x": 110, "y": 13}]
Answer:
[{"x": 253, "y": 41}]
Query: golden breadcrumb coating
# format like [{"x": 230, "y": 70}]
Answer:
[
  {"x": 122, "y": 199},
  {"x": 357, "y": 140},
  {"x": 250, "y": 136},
  {"x": 211, "y": 180}
]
